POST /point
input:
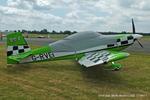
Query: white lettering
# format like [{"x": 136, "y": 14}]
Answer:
[{"x": 43, "y": 56}]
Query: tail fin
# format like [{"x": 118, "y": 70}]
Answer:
[{"x": 16, "y": 44}]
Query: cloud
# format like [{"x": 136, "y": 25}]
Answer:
[{"x": 79, "y": 15}]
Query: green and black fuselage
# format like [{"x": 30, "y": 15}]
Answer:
[{"x": 73, "y": 47}]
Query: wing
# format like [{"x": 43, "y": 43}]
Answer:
[{"x": 100, "y": 57}]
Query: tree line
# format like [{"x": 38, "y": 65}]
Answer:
[{"x": 45, "y": 31}]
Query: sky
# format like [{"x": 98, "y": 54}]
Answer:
[{"x": 75, "y": 15}]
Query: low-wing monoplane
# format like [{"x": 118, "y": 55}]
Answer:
[{"x": 88, "y": 48}]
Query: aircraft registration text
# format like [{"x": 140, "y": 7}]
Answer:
[{"x": 43, "y": 56}]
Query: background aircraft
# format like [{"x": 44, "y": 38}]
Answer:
[{"x": 88, "y": 48}]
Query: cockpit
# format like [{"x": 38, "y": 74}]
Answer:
[{"x": 77, "y": 42}]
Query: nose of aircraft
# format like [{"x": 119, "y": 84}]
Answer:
[{"x": 137, "y": 36}]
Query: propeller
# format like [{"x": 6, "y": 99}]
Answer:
[
  {"x": 133, "y": 29},
  {"x": 140, "y": 43},
  {"x": 133, "y": 26}
]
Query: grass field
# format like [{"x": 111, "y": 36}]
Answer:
[
  {"x": 147, "y": 38},
  {"x": 67, "y": 80}
]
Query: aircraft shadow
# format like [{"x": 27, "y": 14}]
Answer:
[
  {"x": 93, "y": 74},
  {"x": 99, "y": 74}
]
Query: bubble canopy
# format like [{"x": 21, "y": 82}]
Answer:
[{"x": 77, "y": 42}]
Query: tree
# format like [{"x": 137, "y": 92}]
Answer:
[
  {"x": 44, "y": 31},
  {"x": 74, "y": 32},
  {"x": 67, "y": 32},
  {"x": 54, "y": 32},
  {"x": 123, "y": 32},
  {"x": 23, "y": 31}
]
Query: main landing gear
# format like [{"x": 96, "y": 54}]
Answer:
[{"x": 114, "y": 66}]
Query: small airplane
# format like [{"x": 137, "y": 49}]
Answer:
[{"x": 88, "y": 48}]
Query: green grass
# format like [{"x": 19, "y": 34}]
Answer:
[
  {"x": 147, "y": 38},
  {"x": 66, "y": 80}
]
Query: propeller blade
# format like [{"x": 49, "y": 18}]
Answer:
[
  {"x": 133, "y": 26},
  {"x": 133, "y": 29},
  {"x": 140, "y": 43}
]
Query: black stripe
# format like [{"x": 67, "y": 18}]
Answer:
[
  {"x": 15, "y": 47},
  {"x": 92, "y": 58},
  {"x": 21, "y": 50},
  {"x": 130, "y": 37},
  {"x": 100, "y": 56},
  {"x": 92, "y": 55},
  {"x": 26, "y": 46},
  {"x": 124, "y": 42},
  {"x": 110, "y": 45},
  {"x": 118, "y": 40},
  {"x": 95, "y": 56},
  {"x": 9, "y": 53},
  {"x": 96, "y": 60},
  {"x": 105, "y": 58}
]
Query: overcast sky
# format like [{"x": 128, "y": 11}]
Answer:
[{"x": 78, "y": 15}]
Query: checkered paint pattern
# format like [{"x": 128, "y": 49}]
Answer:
[
  {"x": 126, "y": 41},
  {"x": 14, "y": 50},
  {"x": 123, "y": 41},
  {"x": 97, "y": 56}
]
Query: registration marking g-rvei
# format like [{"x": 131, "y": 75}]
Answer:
[{"x": 43, "y": 56}]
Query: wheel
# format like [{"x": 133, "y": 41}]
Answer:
[{"x": 116, "y": 66}]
